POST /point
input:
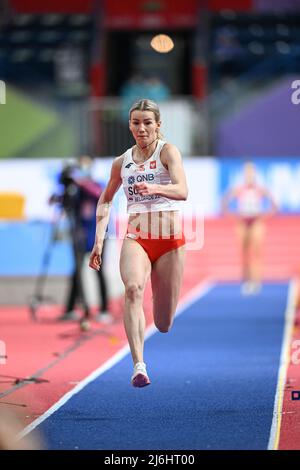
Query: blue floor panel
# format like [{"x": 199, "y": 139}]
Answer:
[{"x": 213, "y": 376}]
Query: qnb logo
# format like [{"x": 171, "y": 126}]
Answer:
[
  {"x": 2, "y": 92},
  {"x": 141, "y": 178},
  {"x": 295, "y": 98},
  {"x": 3, "y": 355}
]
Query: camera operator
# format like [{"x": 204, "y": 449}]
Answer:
[{"x": 79, "y": 200}]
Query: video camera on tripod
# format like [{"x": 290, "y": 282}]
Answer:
[
  {"x": 69, "y": 196},
  {"x": 69, "y": 201}
]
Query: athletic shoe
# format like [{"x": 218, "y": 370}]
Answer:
[
  {"x": 256, "y": 288},
  {"x": 140, "y": 377},
  {"x": 104, "y": 317},
  {"x": 251, "y": 288},
  {"x": 69, "y": 316},
  {"x": 85, "y": 325}
]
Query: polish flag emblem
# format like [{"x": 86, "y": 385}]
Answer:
[{"x": 153, "y": 165}]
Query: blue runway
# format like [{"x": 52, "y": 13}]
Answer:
[{"x": 213, "y": 376}]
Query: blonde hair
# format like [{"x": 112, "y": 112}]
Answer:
[{"x": 147, "y": 105}]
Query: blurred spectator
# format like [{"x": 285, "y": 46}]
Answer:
[
  {"x": 81, "y": 197},
  {"x": 156, "y": 90},
  {"x": 131, "y": 91},
  {"x": 250, "y": 198},
  {"x": 138, "y": 87}
]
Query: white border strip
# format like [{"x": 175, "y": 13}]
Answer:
[
  {"x": 284, "y": 363},
  {"x": 200, "y": 290}
]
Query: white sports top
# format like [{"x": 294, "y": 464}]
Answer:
[
  {"x": 151, "y": 171},
  {"x": 250, "y": 200}
]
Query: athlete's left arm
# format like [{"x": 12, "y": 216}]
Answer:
[
  {"x": 270, "y": 198},
  {"x": 177, "y": 189}
]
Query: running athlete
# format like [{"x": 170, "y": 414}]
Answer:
[
  {"x": 154, "y": 182},
  {"x": 250, "y": 198}
]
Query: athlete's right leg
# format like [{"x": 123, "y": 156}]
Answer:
[
  {"x": 135, "y": 269},
  {"x": 243, "y": 236}
]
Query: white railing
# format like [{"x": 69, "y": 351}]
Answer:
[{"x": 102, "y": 126}]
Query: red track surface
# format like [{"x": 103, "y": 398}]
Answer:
[{"x": 66, "y": 356}]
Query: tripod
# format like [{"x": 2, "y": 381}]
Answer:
[{"x": 38, "y": 297}]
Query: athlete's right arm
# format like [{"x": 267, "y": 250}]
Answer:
[
  {"x": 229, "y": 196},
  {"x": 103, "y": 211}
]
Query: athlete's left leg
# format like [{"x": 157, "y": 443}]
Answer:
[
  {"x": 256, "y": 247},
  {"x": 166, "y": 279}
]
